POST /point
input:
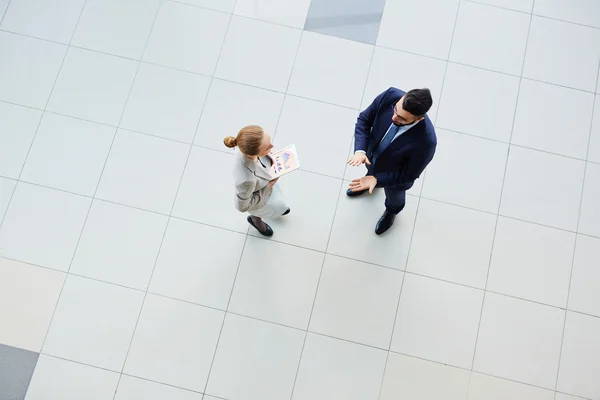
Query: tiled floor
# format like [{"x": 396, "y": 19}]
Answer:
[{"x": 127, "y": 274}]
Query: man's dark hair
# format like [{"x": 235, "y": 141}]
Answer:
[{"x": 417, "y": 102}]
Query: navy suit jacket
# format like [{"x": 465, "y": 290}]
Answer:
[{"x": 403, "y": 161}]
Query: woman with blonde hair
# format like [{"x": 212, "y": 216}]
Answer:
[{"x": 256, "y": 192}]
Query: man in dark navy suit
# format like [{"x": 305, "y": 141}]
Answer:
[{"x": 396, "y": 140}]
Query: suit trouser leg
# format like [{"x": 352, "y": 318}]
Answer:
[{"x": 395, "y": 199}]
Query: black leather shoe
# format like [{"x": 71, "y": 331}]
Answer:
[
  {"x": 267, "y": 232},
  {"x": 350, "y": 193},
  {"x": 385, "y": 222}
]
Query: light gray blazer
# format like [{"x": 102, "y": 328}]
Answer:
[{"x": 251, "y": 182}]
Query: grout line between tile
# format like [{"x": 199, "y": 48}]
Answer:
[
  {"x": 562, "y": 340},
  {"x": 25, "y": 162},
  {"x": 272, "y": 90},
  {"x": 5, "y": 12},
  {"x": 417, "y": 211},
  {"x": 212, "y": 362},
  {"x": 499, "y": 205},
  {"x": 179, "y": 187},
  {"x": 100, "y": 180},
  {"x": 12, "y": 192},
  {"x": 217, "y": 397},
  {"x": 300, "y": 97},
  {"x": 324, "y": 255},
  {"x": 501, "y": 7},
  {"x": 201, "y": 7},
  {"x": 300, "y": 246},
  {"x": 117, "y": 372},
  {"x": 534, "y": 14},
  {"x": 330, "y": 229},
  {"x": 313, "y": 172},
  {"x": 287, "y": 86}
]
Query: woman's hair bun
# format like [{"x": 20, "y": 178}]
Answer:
[{"x": 230, "y": 142}]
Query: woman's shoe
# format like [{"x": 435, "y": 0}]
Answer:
[
  {"x": 286, "y": 212},
  {"x": 267, "y": 232}
]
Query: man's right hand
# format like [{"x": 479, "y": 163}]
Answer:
[
  {"x": 358, "y": 158},
  {"x": 273, "y": 182}
]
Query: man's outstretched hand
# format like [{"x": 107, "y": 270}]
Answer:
[
  {"x": 364, "y": 183},
  {"x": 359, "y": 158}
]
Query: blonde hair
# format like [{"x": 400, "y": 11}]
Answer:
[{"x": 248, "y": 140}]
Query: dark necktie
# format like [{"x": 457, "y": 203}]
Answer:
[{"x": 385, "y": 142}]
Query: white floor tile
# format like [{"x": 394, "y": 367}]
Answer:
[
  {"x": 336, "y": 370},
  {"x": 282, "y": 292},
  {"x": 131, "y": 388},
  {"x": 68, "y": 154},
  {"x": 56, "y": 379},
  {"x": 17, "y": 127},
  {"x": 7, "y": 187},
  {"x": 519, "y": 340},
  {"x": 31, "y": 68},
  {"x": 415, "y": 379},
  {"x": 42, "y": 226},
  {"x": 194, "y": 201},
  {"x": 165, "y": 102},
  {"x": 174, "y": 343},
  {"x": 119, "y": 245},
  {"x": 562, "y": 53},
  {"x": 562, "y": 396},
  {"x": 143, "y": 171},
  {"x": 219, "y": 5},
  {"x": 530, "y": 188},
  {"x": 405, "y": 71},
  {"x": 589, "y": 219},
  {"x": 531, "y": 262},
  {"x": 331, "y": 69},
  {"x": 466, "y": 171},
  {"x": 485, "y": 387},
  {"x": 255, "y": 360},
  {"x": 128, "y": 22},
  {"x": 491, "y": 97},
  {"x": 187, "y": 38},
  {"x": 490, "y": 37},
  {"x": 594, "y": 147},
  {"x": 247, "y": 40},
  {"x": 231, "y": 106},
  {"x": 330, "y": 126},
  {"x": 463, "y": 241},
  {"x": 93, "y": 323},
  {"x": 309, "y": 223},
  {"x": 197, "y": 263},
  {"x": 54, "y": 21},
  {"x": 580, "y": 357},
  {"x": 93, "y": 86},
  {"x": 584, "y": 295},
  {"x": 401, "y": 19},
  {"x": 356, "y": 301},
  {"x": 437, "y": 321},
  {"x": 585, "y": 12},
  {"x": 29, "y": 294},
  {"x": 535, "y": 130},
  {"x": 353, "y": 233},
  {"x": 289, "y": 12},
  {"x": 517, "y": 5}
]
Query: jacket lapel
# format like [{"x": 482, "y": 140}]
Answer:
[
  {"x": 406, "y": 138},
  {"x": 255, "y": 169}
]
